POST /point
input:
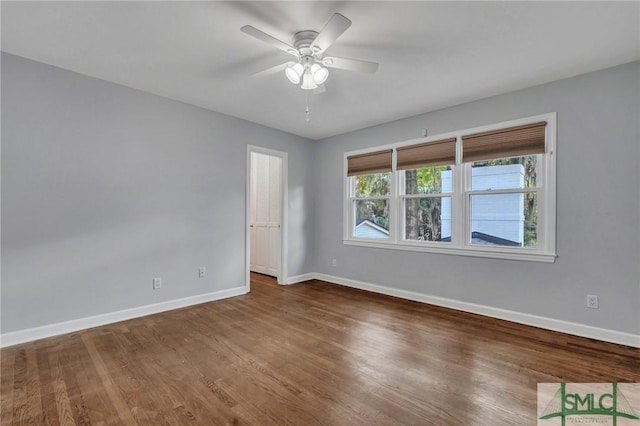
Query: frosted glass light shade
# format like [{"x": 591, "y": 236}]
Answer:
[
  {"x": 294, "y": 72},
  {"x": 307, "y": 82},
  {"x": 319, "y": 73}
]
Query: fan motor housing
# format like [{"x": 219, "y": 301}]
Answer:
[{"x": 302, "y": 41}]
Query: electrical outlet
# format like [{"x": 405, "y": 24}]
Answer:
[
  {"x": 157, "y": 283},
  {"x": 202, "y": 271},
  {"x": 334, "y": 262},
  {"x": 592, "y": 301}
]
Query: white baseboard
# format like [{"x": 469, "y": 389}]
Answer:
[
  {"x": 301, "y": 278},
  {"x": 576, "y": 329},
  {"x": 30, "y": 334},
  {"x": 612, "y": 336}
]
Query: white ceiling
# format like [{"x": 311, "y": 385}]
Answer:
[{"x": 432, "y": 54}]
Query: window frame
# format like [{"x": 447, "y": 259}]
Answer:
[
  {"x": 402, "y": 197},
  {"x": 352, "y": 199},
  {"x": 545, "y": 250}
]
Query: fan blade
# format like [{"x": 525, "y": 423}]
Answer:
[
  {"x": 330, "y": 33},
  {"x": 320, "y": 89},
  {"x": 351, "y": 64},
  {"x": 272, "y": 70},
  {"x": 266, "y": 38}
]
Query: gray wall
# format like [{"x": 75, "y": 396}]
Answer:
[
  {"x": 105, "y": 187},
  {"x": 598, "y": 213}
]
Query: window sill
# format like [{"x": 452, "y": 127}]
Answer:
[{"x": 493, "y": 253}]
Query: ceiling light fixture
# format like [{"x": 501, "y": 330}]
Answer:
[
  {"x": 309, "y": 68},
  {"x": 319, "y": 73},
  {"x": 294, "y": 72},
  {"x": 308, "y": 82},
  {"x": 311, "y": 73}
]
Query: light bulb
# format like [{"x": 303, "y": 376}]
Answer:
[
  {"x": 294, "y": 72},
  {"x": 307, "y": 81},
  {"x": 319, "y": 73}
]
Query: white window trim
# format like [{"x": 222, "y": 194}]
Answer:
[{"x": 460, "y": 243}]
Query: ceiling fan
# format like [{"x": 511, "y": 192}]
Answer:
[{"x": 308, "y": 47}]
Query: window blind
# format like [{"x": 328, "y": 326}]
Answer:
[
  {"x": 371, "y": 162},
  {"x": 512, "y": 142},
  {"x": 430, "y": 154}
]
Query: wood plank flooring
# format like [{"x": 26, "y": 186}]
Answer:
[{"x": 307, "y": 354}]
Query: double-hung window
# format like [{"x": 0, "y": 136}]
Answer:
[
  {"x": 503, "y": 188},
  {"x": 425, "y": 174},
  {"x": 487, "y": 191},
  {"x": 370, "y": 194}
]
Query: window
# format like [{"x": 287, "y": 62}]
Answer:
[
  {"x": 425, "y": 175},
  {"x": 371, "y": 205},
  {"x": 370, "y": 194},
  {"x": 503, "y": 202},
  {"x": 486, "y": 192},
  {"x": 426, "y": 204}
]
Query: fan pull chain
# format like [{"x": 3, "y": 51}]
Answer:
[{"x": 307, "y": 111}]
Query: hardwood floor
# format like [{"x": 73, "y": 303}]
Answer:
[{"x": 306, "y": 354}]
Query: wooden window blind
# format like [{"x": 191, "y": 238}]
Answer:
[
  {"x": 430, "y": 154},
  {"x": 371, "y": 162},
  {"x": 512, "y": 142}
]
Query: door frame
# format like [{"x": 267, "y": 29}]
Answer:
[{"x": 284, "y": 224}]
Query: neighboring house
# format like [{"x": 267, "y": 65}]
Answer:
[
  {"x": 367, "y": 229},
  {"x": 496, "y": 219},
  {"x": 488, "y": 240}
]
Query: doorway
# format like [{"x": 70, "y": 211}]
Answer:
[{"x": 266, "y": 213}]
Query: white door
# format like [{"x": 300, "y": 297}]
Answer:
[{"x": 265, "y": 226}]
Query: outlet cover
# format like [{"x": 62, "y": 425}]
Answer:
[
  {"x": 202, "y": 271},
  {"x": 157, "y": 283},
  {"x": 592, "y": 301}
]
